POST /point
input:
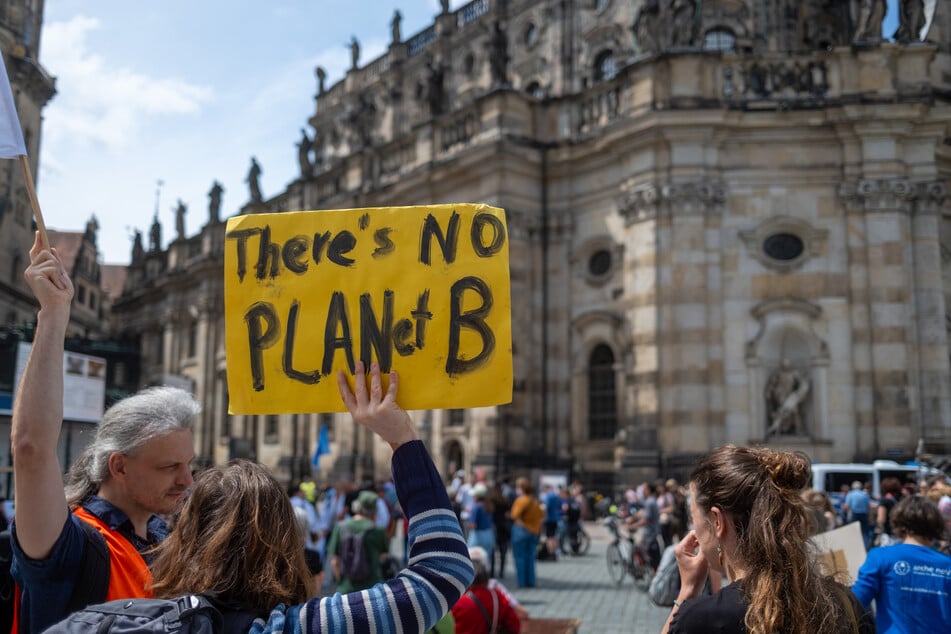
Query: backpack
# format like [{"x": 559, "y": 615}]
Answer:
[
  {"x": 665, "y": 586},
  {"x": 92, "y": 585},
  {"x": 190, "y": 614},
  {"x": 354, "y": 560}
]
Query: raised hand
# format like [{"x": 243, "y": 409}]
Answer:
[
  {"x": 375, "y": 410},
  {"x": 692, "y": 564},
  {"x": 47, "y": 276}
]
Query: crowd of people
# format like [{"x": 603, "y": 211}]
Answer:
[{"x": 133, "y": 522}]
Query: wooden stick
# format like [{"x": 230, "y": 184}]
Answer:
[{"x": 28, "y": 177}]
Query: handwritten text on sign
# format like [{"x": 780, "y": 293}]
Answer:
[{"x": 420, "y": 290}]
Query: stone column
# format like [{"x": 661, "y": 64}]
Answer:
[
  {"x": 934, "y": 373},
  {"x": 639, "y": 204},
  {"x": 882, "y": 296}
]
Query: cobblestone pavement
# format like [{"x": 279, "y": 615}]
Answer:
[{"x": 580, "y": 588}]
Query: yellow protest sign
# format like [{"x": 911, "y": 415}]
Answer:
[{"x": 421, "y": 290}]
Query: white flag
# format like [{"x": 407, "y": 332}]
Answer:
[{"x": 11, "y": 135}]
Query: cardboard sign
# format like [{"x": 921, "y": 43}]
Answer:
[
  {"x": 841, "y": 552},
  {"x": 420, "y": 290}
]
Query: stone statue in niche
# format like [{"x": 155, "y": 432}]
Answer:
[
  {"x": 435, "y": 91},
  {"x": 180, "y": 212},
  {"x": 214, "y": 202},
  {"x": 253, "y": 180},
  {"x": 785, "y": 392},
  {"x": 499, "y": 54},
  {"x": 869, "y": 26},
  {"x": 683, "y": 28},
  {"x": 911, "y": 16},
  {"x": 646, "y": 27},
  {"x": 362, "y": 119}
]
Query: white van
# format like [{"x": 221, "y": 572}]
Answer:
[{"x": 834, "y": 478}]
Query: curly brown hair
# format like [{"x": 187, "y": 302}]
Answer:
[
  {"x": 236, "y": 537},
  {"x": 784, "y": 588}
]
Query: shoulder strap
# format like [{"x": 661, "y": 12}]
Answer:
[
  {"x": 92, "y": 585},
  {"x": 491, "y": 622}
]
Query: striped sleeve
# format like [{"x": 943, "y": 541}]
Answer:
[{"x": 439, "y": 567}]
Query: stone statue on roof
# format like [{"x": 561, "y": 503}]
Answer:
[
  {"x": 214, "y": 202},
  {"x": 253, "y": 181},
  {"x": 180, "y": 211}
]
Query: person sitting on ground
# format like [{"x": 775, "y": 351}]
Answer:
[
  {"x": 750, "y": 525},
  {"x": 236, "y": 540},
  {"x": 136, "y": 469},
  {"x": 486, "y": 607},
  {"x": 909, "y": 596}
]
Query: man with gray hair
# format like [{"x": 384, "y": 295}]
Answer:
[{"x": 137, "y": 468}]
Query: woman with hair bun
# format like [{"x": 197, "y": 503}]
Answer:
[{"x": 750, "y": 525}]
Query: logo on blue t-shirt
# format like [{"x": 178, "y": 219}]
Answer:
[{"x": 901, "y": 567}]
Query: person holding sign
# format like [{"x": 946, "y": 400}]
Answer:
[
  {"x": 137, "y": 467},
  {"x": 750, "y": 525},
  {"x": 260, "y": 568}
]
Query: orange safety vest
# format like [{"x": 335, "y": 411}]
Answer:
[{"x": 129, "y": 575}]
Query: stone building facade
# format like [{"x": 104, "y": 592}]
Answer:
[{"x": 728, "y": 223}]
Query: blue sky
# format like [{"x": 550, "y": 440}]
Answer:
[{"x": 186, "y": 91}]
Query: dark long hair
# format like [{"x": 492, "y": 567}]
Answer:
[
  {"x": 786, "y": 592},
  {"x": 236, "y": 537}
]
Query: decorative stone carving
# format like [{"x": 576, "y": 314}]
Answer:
[
  {"x": 641, "y": 201},
  {"x": 303, "y": 154},
  {"x": 354, "y": 52},
  {"x": 321, "y": 80},
  {"x": 869, "y": 26},
  {"x": 800, "y": 78},
  {"x": 435, "y": 91},
  {"x": 362, "y": 119},
  {"x": 499, "y": 54},
  {"x": 214, "y": 202},
  {"x": 180, "y": 211},
  {"x": 395, "y": 25},
  {"x": 138, "y": 252},
  {"x": 911, "y": 16},
  {"x": 253, "y": 181},
  {"x": 683, "y": 22},
  {"x": 786, "y": 391},
  {"x": 155, "y": 235},
  {"x": 879, "y": 195},
  {"x": 647, "y": 27}
]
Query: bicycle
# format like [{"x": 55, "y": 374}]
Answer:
[
  {"x": 626, "y": 556},
  {"x": 575, "y": 540}
]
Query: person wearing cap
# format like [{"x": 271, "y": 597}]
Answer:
[
  {"x": 362, "y": 523},
  {"x": 480, "y": 524}
]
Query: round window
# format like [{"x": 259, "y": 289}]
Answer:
[
  {"x": 783, "y": 246},
  {"x": 600, "y": 263}
]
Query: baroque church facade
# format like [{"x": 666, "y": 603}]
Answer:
[{"x": 728, "y": 222}]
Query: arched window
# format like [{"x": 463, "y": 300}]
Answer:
[
  {"x": 604, "y": 67},
  {"x": 719, "y": 39},
  {"x": 602, "y": 394}
]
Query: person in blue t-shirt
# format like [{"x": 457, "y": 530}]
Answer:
[
  {"x": 910, "y": 582},
  {"x": 552, "y": 502}
]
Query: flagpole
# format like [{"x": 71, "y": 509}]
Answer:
[{"x": 28, "y": 177}]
